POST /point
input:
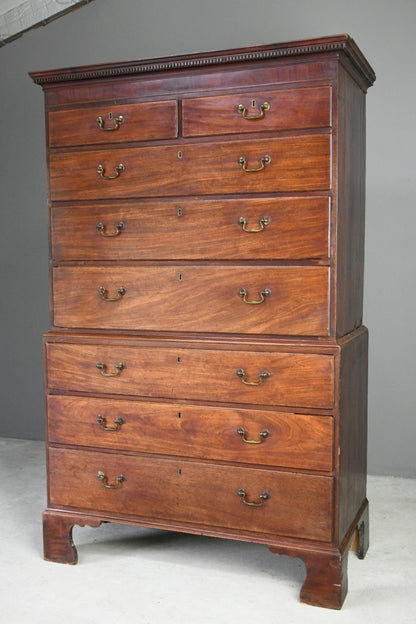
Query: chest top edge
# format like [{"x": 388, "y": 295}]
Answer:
[{"x": 338, "y": 44}]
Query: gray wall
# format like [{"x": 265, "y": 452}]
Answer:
[{"x": 106, "y": 30}]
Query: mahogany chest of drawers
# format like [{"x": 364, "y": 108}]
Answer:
[{"x": 206, "y": 365}]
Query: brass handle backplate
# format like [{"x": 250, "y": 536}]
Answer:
[
  {"x": 263, "y": 497},
  {"x": 104, "y": 480},
  {"x": 266, "y": 160},
  {"x": 118, "y": 228},
  {"x": 262, "y": 436},
  {"x": 102, "y": 292},
  {"x": 117, "y": 122},
  {"x": 243, "y": 222},
  {"x": 118, "y": 169},
  {"x": 103, "y": 423},
  {"x": 102, "y": 368},
  {"x": 263, "y": 375},
  {"x": 263, "y": 108},
  {"x": 263, "y": 294}
]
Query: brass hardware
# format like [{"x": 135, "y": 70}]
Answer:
[
  {"x": 179, "y": 212},
  {"x": 263, "y": 375},
  {"x": 263, "y": 108},
  {"x": 179, "y": 471},
  {"x": 101, "y": 228},
  {"x": 119, "y": 367},
  {"x": 263, "y": 294},
  {"x": 103, "y": 423},
  {"x": 266, "y": 160},
  {"x": 117, "y": 122},
  {"x": 178, "y": 359},
  {"x": 104, "y": 480},
  {"x": 262, "y": 436},
  {"x": 102, "y": 292},
  {"x": 262, "y": 223},
  {"x": 180, "y": 277},
  {"x": 180, "y": 154},
  {"x": 263, "y": 497},
  {"x": 118, "y": 170}
]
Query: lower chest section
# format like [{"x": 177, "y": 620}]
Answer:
[{"x": 238, "y": 437}]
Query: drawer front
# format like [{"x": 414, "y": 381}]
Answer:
[
  {"x": 193, "y": 493},
  {"x": 291, "y": 379},
  {"x": 199, "y": 431},
  {"x": 257, "y": 111},
  {"x": 273, "y": 228},
  {"x": 299, "y": 163},
  {"x": 277, "y": 300},
  {"x": 106, "y": 123}
]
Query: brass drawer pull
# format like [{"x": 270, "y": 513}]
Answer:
[
  {"x": 117, "y": 122},
  {"x": 262, "y": 436},
  {"x": 262, "y": 223},
  {"x": 102, "y": 292},
  {"x": 118, "y": 169},
  {"x": 102, "y": 368},
  {"x": 104, "y": 480},
  {"x": 266, "y": 160},
  {"x": 263, "y": 497},
  {"x": 103, "y": 423},
  {"x": 263, "y": 294},
  {"x": 263, "y": 375},
  {"x": 263, "y": 108},
  {"x": 119, "y": 227}
]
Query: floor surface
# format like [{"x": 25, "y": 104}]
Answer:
[{"x": 131, "y": 575}]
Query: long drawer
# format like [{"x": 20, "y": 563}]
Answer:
[
  {"x": 275, "y": 378},
  {"x": 257, "y": 111},
  {"x": 284, "y": 228},
  {"x": 299, "y": 163},
  {"x": 193, "y": 493},
  {"x": 249, "y": 299},
  {"x": 237, "y": 435}
]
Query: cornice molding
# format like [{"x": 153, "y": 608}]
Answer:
[{"x": 339, "y": 43}]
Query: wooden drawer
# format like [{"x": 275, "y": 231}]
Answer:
[
  {"x": 293, "y": 228},
  {"x": 193, "y": 493},
  {"x": 283, "y": 109},
  {"x": 293, "y": 379},
  {"x": 194, "y": 298},
  {"x": 199, "y": 431},
  {"x": 300, "y": 163},
  {"x": 141, "y": 121}
]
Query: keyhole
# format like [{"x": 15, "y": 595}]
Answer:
[
  {"x": 253, "y": 103},
  {"x": 179, "y": 471},
  {"x": 180, "y": 277},
  {"x": 180, "y": 154},
  {"x": 179, "y": 211},
  {"x": 178, "y": 359},
  {"x": 179, "y": 414},
  {"x": 110, "y": 115}
]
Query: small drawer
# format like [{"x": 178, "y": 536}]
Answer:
[
  {"x": 284, "y": 228},
  {"x": 275, "y": 378},
  {"x": 198, "y": 431},
  {"x": 257, "y": 111},
  {"x": 283, "y": 300},
  {"x": 300, "y": 163},
  {"x": 107, "y": 123},
  {"x": 192, "y": 493}
]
